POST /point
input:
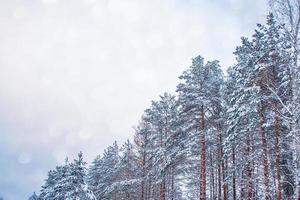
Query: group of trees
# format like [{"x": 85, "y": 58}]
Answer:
[
  {"x": 233, "y": 137},
  {"x": 66, "y": 182}
]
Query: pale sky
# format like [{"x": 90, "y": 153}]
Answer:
[{"x": 77, "y": 74}]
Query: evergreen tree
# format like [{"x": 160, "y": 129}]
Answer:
[
  {"x": 142, "y": 144},
  {"x": 32, "y": 197},
  {"x": 199, "y": 100},
  {"x": 103, "y": 173},
  {"x": 67, "y": 182},
  {"x": 127, "y": 185},
  {"x": 47, "y": 191}
]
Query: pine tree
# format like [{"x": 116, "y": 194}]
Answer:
[
  {"x": 127, "y": 184},
  {"x": 47, "y": 191},
  {"x": 142, "y": 144},
  {"x": 159, "y": 149},
  {"x": 32, "y": 197},
  {"x": 102, "y": 174},
  {"x": 199, "y": 99},
  {"x": 67, "y": 182}
]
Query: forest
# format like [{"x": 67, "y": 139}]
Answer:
[{"x": 223, "y": 135}]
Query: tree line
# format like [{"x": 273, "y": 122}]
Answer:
[{"x": 230, "y": 137}]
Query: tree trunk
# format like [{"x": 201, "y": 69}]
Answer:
[
  {"x": 219, "y": 182},
  {"x": 222, "y": 167},
  {"x": 164, "y": 190},
  {"x": 142, "y": 188},
  {"x": 144, "y": 172},
  {"x": 249, "y": 171},
  {"x": 212, "y": 179},
  {"x": 264, "y": 153},
  {"x": 162, "y": 195},
  {"x": 277, "y": 160},
  {"x": 172, "y": 184},
  {"x": 149, "y": 191},
  {"x": 234, "y": 176},
  {"x": 203, "y": 157}
]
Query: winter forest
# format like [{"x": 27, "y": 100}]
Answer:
[{"x": 230, "y": 135}]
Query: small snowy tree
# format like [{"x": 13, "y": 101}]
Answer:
[
  {"x": 103, "y": 173},
  {"x": 67, "y": 182},
  {"x": 32, "y": 197}
]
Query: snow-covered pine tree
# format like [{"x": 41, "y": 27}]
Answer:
[
  {"x": 78, "y": 174},
  {"x": 71, "y": 185},
  {"x": 231, "y": 126},
  {"x": 48, "y": 189},
  {"x": 103, "y": 173},
  {"x": 94, "y": 175},
  {"x": 32, "y": 197},
  {"x": 142, "y": 144},
  {"x": 67, "y": 182},
  {"x": 199, "y": 100},
  {"x": 241, "y": 119},
  {"x": 127, "y": 185},
  {"x": 164, "y": 151}
]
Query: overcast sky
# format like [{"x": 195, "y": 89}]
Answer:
[{"x": 77, "y": 74}]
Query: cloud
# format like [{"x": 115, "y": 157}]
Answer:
[{"x": 77, "y": 75}]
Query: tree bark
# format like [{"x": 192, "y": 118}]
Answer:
[
  {"x": 144, "y": 172},
  {"x": 264, "y": 153},
  {"x": 222, "y": 166},
  {"x": 233, "y": 176},
  {"x": 172, "y": 184},
  {"x": 277, "y": 160},
  {"x": 203, "y": 157},
  {"x": 249, "y": 171},
  {"x": 219, "y": 182},
  {"x": 212, "y": 179}
]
